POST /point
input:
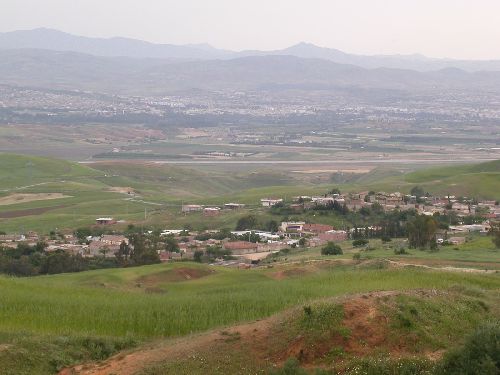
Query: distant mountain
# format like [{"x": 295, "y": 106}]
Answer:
[
  {"x": 113, "y": 47},
  {"x": 54, "y": 40},
  {"x": 70, "y": 70},
  {"x": 411, "y": 62}
]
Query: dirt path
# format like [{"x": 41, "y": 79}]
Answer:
[
  {"x": 446, "y": 268},
  {"x": 131, "y": 362}
]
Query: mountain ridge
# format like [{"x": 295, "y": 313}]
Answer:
[{"x": 55, "y": 40}]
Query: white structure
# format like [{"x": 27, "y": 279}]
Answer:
[{"x": 269, "y": 202}]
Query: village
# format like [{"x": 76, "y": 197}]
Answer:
[{"x": 250, "y": 245}]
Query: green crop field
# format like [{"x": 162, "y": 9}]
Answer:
[{"x": 156, "y": 301}]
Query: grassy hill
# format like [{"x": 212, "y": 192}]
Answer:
[
  {"x": 99, "y": 189},
  {"x": 21, "y": 170},
  {"x": 88, "y": 316},
  {"x": 475, "y": 180}
]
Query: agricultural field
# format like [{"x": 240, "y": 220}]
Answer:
[
  {"x": 151, "y": 194},
  {"x": 86, "y": 317}
]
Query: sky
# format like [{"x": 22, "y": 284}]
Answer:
[{"x": 466, "y": 29}]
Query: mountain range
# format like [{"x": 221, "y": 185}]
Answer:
[{"x": 54, "y": 40}]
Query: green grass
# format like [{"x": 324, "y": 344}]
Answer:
[
  {"x": 170, "y": 186},
  {"x": 21, "y": 170},
  {"x": 80, "y": 304},
  {"x": 405, "y": 326}
]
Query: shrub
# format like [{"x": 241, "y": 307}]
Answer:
[
  {"x": 331, "y": 249},
  {"x": 400, "y": 251},
  {"x": 480, "y": 353},
  {"x": 360, "y": 242},
  {"x": 291, "y": 367},
  {"x": 386, "y": 239}
]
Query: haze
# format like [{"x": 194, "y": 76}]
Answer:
[{"x": 446, "y": 28}]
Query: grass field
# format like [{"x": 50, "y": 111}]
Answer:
[
  {"x": 161, "y": 189},
  {"x": 158, "y": 301}
]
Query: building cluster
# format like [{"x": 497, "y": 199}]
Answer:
[
  {"x": 426, "y": 205},
  {"x": 255, "y": 244}
]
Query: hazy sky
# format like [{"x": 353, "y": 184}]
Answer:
[{"x": 438, "y": 28}]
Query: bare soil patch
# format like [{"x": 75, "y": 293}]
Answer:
[
  {"x": 121, "y": 189},
  {"x": 292, "y": 272},
  {"x": 173, "y": 275},
  {"x": 19, "y": 198},
  {"x": 28, "y": 212}
]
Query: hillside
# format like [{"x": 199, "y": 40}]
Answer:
[
  {"x": 145, "y": 304},
  {"x": 472, "y": 180},
  {"x": 71, "y": 70},
  {"x": 21, "y": 170}
]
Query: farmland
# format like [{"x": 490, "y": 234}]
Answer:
[
  {"x": 78, "y": 322},
  {"x": 99, "y": 189},
  {"x": 158, "y": 301}
]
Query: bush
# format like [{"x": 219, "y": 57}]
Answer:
[
  {"x": 400, "y": 251},
  {"x": 479, "y": 355},
  {"x": 291, "y": 367},
  {"x": 386, "y": 239},
  {"x": 331, "y": 249},
  {"x": 360, "y": 242}
]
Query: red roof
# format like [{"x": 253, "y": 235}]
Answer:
[{"x": 240, "y": 245}]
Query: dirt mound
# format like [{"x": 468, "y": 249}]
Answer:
[
  {"x": 293, "y": 272},
  {"x": 361, "y": 330},
  {"x": 174, "y": 275}
]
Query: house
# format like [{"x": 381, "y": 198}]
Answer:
[
  {"x": 355, "y": 204},
  {"x": 292, "y": 226},
  {"x": 333, "y": 235},
  {"x": 191, "y": 208},
  {"x": 169, "y": 232},
  {"x": 323, "y": 201},
  {"x": 98, "y": 248},
  {"x": 461, "y": 208},
  {"x": 316, "y": 228},
  {"x": 456, "y": 240},
  {"x": 105, "y": 221},
  {"x": 270, "y": 202},
  {"x": 109, "y": 239},
  {"x": 241, "y": 247},
  {"x": 234, "y": 206},
  {"x": 11, "y": 238}
]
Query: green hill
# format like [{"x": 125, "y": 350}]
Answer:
[
  {"x": 72, "y": 318},
  {"x": 474, "y": 180},
  {"x": 22, "y": 170}
]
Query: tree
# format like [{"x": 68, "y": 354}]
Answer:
[
  {"x": 122, "y": 255},
  {"x": 422, "y": 232},
  {"x": 198, "y": 254},
  {"x": 417, "y": 191},
  {"x": 171, "y": 244},
  {"x": 479, "y": 355},
  {"x": 247, "y": 222},
  {"x": 272, "y": 226},
  {"x": 142, "y": 251},
  {"x": 360, "y": 242},
  {"x": 302, "y": 242},
  {"x": 331, "y": 249},
  {"x": 82, "y": 234},
  {"x": 495, "y": 232}
]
